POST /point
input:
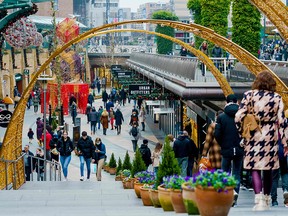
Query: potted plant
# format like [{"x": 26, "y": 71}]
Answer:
[
  {"x": 144, "y": 190},
  {"x": 214, "y": 192},
  {"x": 153, "y": 194},
  {"x": 174, "y": 183},
  {"x": 105, "y": 167},
  {"x": 112, "y": 165},
  {"x": 125, "y": 179},
  {"x": 138, "y": 166},
  {"x": 189, "y": 198},
  {"x": 169, "y": 166},
  {"x": 118, "y": 170},
  {"x": 127, "y": 163}
]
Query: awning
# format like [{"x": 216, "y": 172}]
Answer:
[{"x": 163, "y": 110}]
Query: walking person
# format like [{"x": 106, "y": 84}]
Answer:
[
  {"x": 99, "y": 157},
  {"x": 85, "y": 149},
  {"x": 228, "y": 138},
  {"x": 35, "y": 103},
  {"x": 90, "y": 99},
  {"x": 54, "y": 154},
  {"x": 142, "y": 117},
  {"x": 98, "y": 85},
  {"x": 119, "y": 119},
  {"x": 105, "y": 98},
  {"x": 65, "y": 147},
  {"x": 28, "y": 162},
  {"x": 73, "y": 112},
  {"x": 48, "y": 139},
  {"x": 145, "y": 153},
  {"x": 156, "y": 156},
  {"x": 112, "y": 118},
  {"x": 193, "y": 154},
  {"x": 104, "y": 121},
  {"x": 39, "y": 164},
  {"x": 100, "y": 111},
  {"x": 39, "y": 129},
  {"x": 261, "y": 150},
  {"x": 94, "y": 118},
  {"x": 87, "y": 112},
  {"x": 135, "y": 135},
  {"x": 30, "y": 135}
]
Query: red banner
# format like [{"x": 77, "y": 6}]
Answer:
[{"x": 80, "y": 91}]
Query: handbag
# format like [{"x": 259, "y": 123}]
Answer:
[
  {"x": 250, "y": 122},
  {"x": 54, "y": 151}
]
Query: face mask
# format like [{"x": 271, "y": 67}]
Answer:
[{"x": 97, "y": 143}]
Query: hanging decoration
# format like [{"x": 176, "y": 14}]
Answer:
[
  {"x": 21, "y": 33},
  {"x": 67, "y": 30}
]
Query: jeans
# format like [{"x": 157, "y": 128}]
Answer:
[
  {"x": 65, "y": 160},
  {"x": 143, "y": 126},
  {"x": 99, "y": 123},
  {"x": 88, "y": 162},
  {"x": 183, "y": 164},
  {"x": 276, "y": 175},
  {"x": 190, "y": 166},
  {"x": 134, "y": 143},
  {"x": 93, "y": 126},
  {"x": 236, "y": 169}
]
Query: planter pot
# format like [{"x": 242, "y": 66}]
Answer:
[
  {"x": 165, "y": 198},
  {"x": 210, "y": 202},
  {"x": 154, "y": 198},
  {"x": 128, "y": 184},
  {"x": 112, "y": 171},
  {"x": 189, "y": 199},
  {"x": 118, "y": 178},
  {"x": 145, "y": 196},
  {"x": 137, "y": 186},
  {"x": 177, "y": 201}
]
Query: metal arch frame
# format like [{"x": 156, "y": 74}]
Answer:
[
  {"x": 201, "y": 56},
  {"x": 14, "y": 131},
  {"x": 276, "y": 11}
]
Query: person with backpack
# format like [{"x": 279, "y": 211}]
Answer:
[
  {"x": 134, "y": 118},
  {"x": 145, "y": 153},
  {"x": 118, "y": 120},
  {"x": 135, "y": 135}
]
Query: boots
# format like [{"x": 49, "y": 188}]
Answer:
[
  {"x": 268, "y": 200},
  {"x": 261, "y": 203}
]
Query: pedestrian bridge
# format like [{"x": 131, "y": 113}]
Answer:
[{"x": 183, "y": 75}]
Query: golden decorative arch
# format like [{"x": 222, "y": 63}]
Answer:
[
  {"x": 201, "y": 56},
  {"x": 12, "y": 143},
  {"x": 277, "y": 13}
]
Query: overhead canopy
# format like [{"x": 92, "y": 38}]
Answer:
[{"x": 45, "y": 22}]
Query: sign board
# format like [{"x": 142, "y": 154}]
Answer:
[
  {"x": 124, "y": 74},
  {"x": 18, "y": 77},
  {"x": 116, "y": 67},
  {"x": 140, "y": 89},
  {"x": 5, "y": 117}
]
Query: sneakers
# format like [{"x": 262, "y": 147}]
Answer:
[
  {"x": 261, "y": 203},
  {"x": 87, "y": 179},
  {"x": 82, "y": 178},
  {"x": 234, "y": 204},
  {"x": 65, "y": 179}
]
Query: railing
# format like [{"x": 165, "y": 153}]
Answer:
[{"x": 53, "y": 170}]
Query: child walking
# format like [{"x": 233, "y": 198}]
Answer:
[
  {"x": 156, "y": 155},
  {"x": 30, "y": 134}
]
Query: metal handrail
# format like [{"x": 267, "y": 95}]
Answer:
[{"x": 54, "y": 166}]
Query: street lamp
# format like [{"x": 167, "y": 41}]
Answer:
[{"x": 44, "y": 78}]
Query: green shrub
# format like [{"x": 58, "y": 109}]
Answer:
[
  {"x": 169, "y": 165},
  {"x": 112, "y": 162},
  {"x": 119, "y": 167},
  {"x": 138, "y": 164},
  {"x": 127, "y": 163}
]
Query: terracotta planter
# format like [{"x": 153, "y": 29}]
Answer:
[
  {"x": 165, "y": 198},
  {"x": 112, "y": 171},
  {"x": 154, "y": 198},
  {"x": 128, "y": 184},
  {"x": 189, "y": 199},
  {"x": 210, "y": 202},
  {"x": 118, "y": 178},
  {"x": 177, "y": 201},
  {"x": 145, "y": 196},
  {"x": 137, "y": 186}
]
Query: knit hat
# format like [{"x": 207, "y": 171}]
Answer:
[
  {"x": 231, "y": 98},
  {"x": 145, "y": 141}
]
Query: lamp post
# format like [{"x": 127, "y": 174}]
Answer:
[{"x": 44, "y": 78}]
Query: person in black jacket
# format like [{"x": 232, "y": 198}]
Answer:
[
  {"x": 53, "y": 147},
  {"x": 228, "y": 138},
  {"x": 193, "y": 154},
  {"x": 85, "y": 148},
  {"x": 181, "y": 150},
  {"x": 99, "y": 157},
  {"x": 105, "y": 97},
  {"x": 27, "y": 162},
  {"x": 65, "y": 147},
  {"x": 145, "y": 153}
]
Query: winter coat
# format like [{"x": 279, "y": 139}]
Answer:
[
  {"x": 94, "y": 116},
  {"x": 146, "y": 154},
  {"x": 119, "y": 117},
  {"x": 53, "y": 143},
  {"x": 65, "y": 147},
  {"x": 104, "y": 119},
  {"x": 40, "y": 126},
  {"x": 142, "y": 116},
  {"x": 99, "y": 155},
  {"x": 212, "y": 147},
  {"x": 156, "y": 158},
  {"x": 181, "y": 147},
  {"x": 261, "y": 151},
  {"x": 104, "y": 96},
  {"x": 90, "y": 98},
  {"x": 86, "y": 147},
  {"x": 135, "y": 137},
  {"x": 226, "y": 132}
]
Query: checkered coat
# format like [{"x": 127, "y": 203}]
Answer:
[{"x": 212, "y": 147}]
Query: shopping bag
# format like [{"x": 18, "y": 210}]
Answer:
[{"x": 94, "y": 168}]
